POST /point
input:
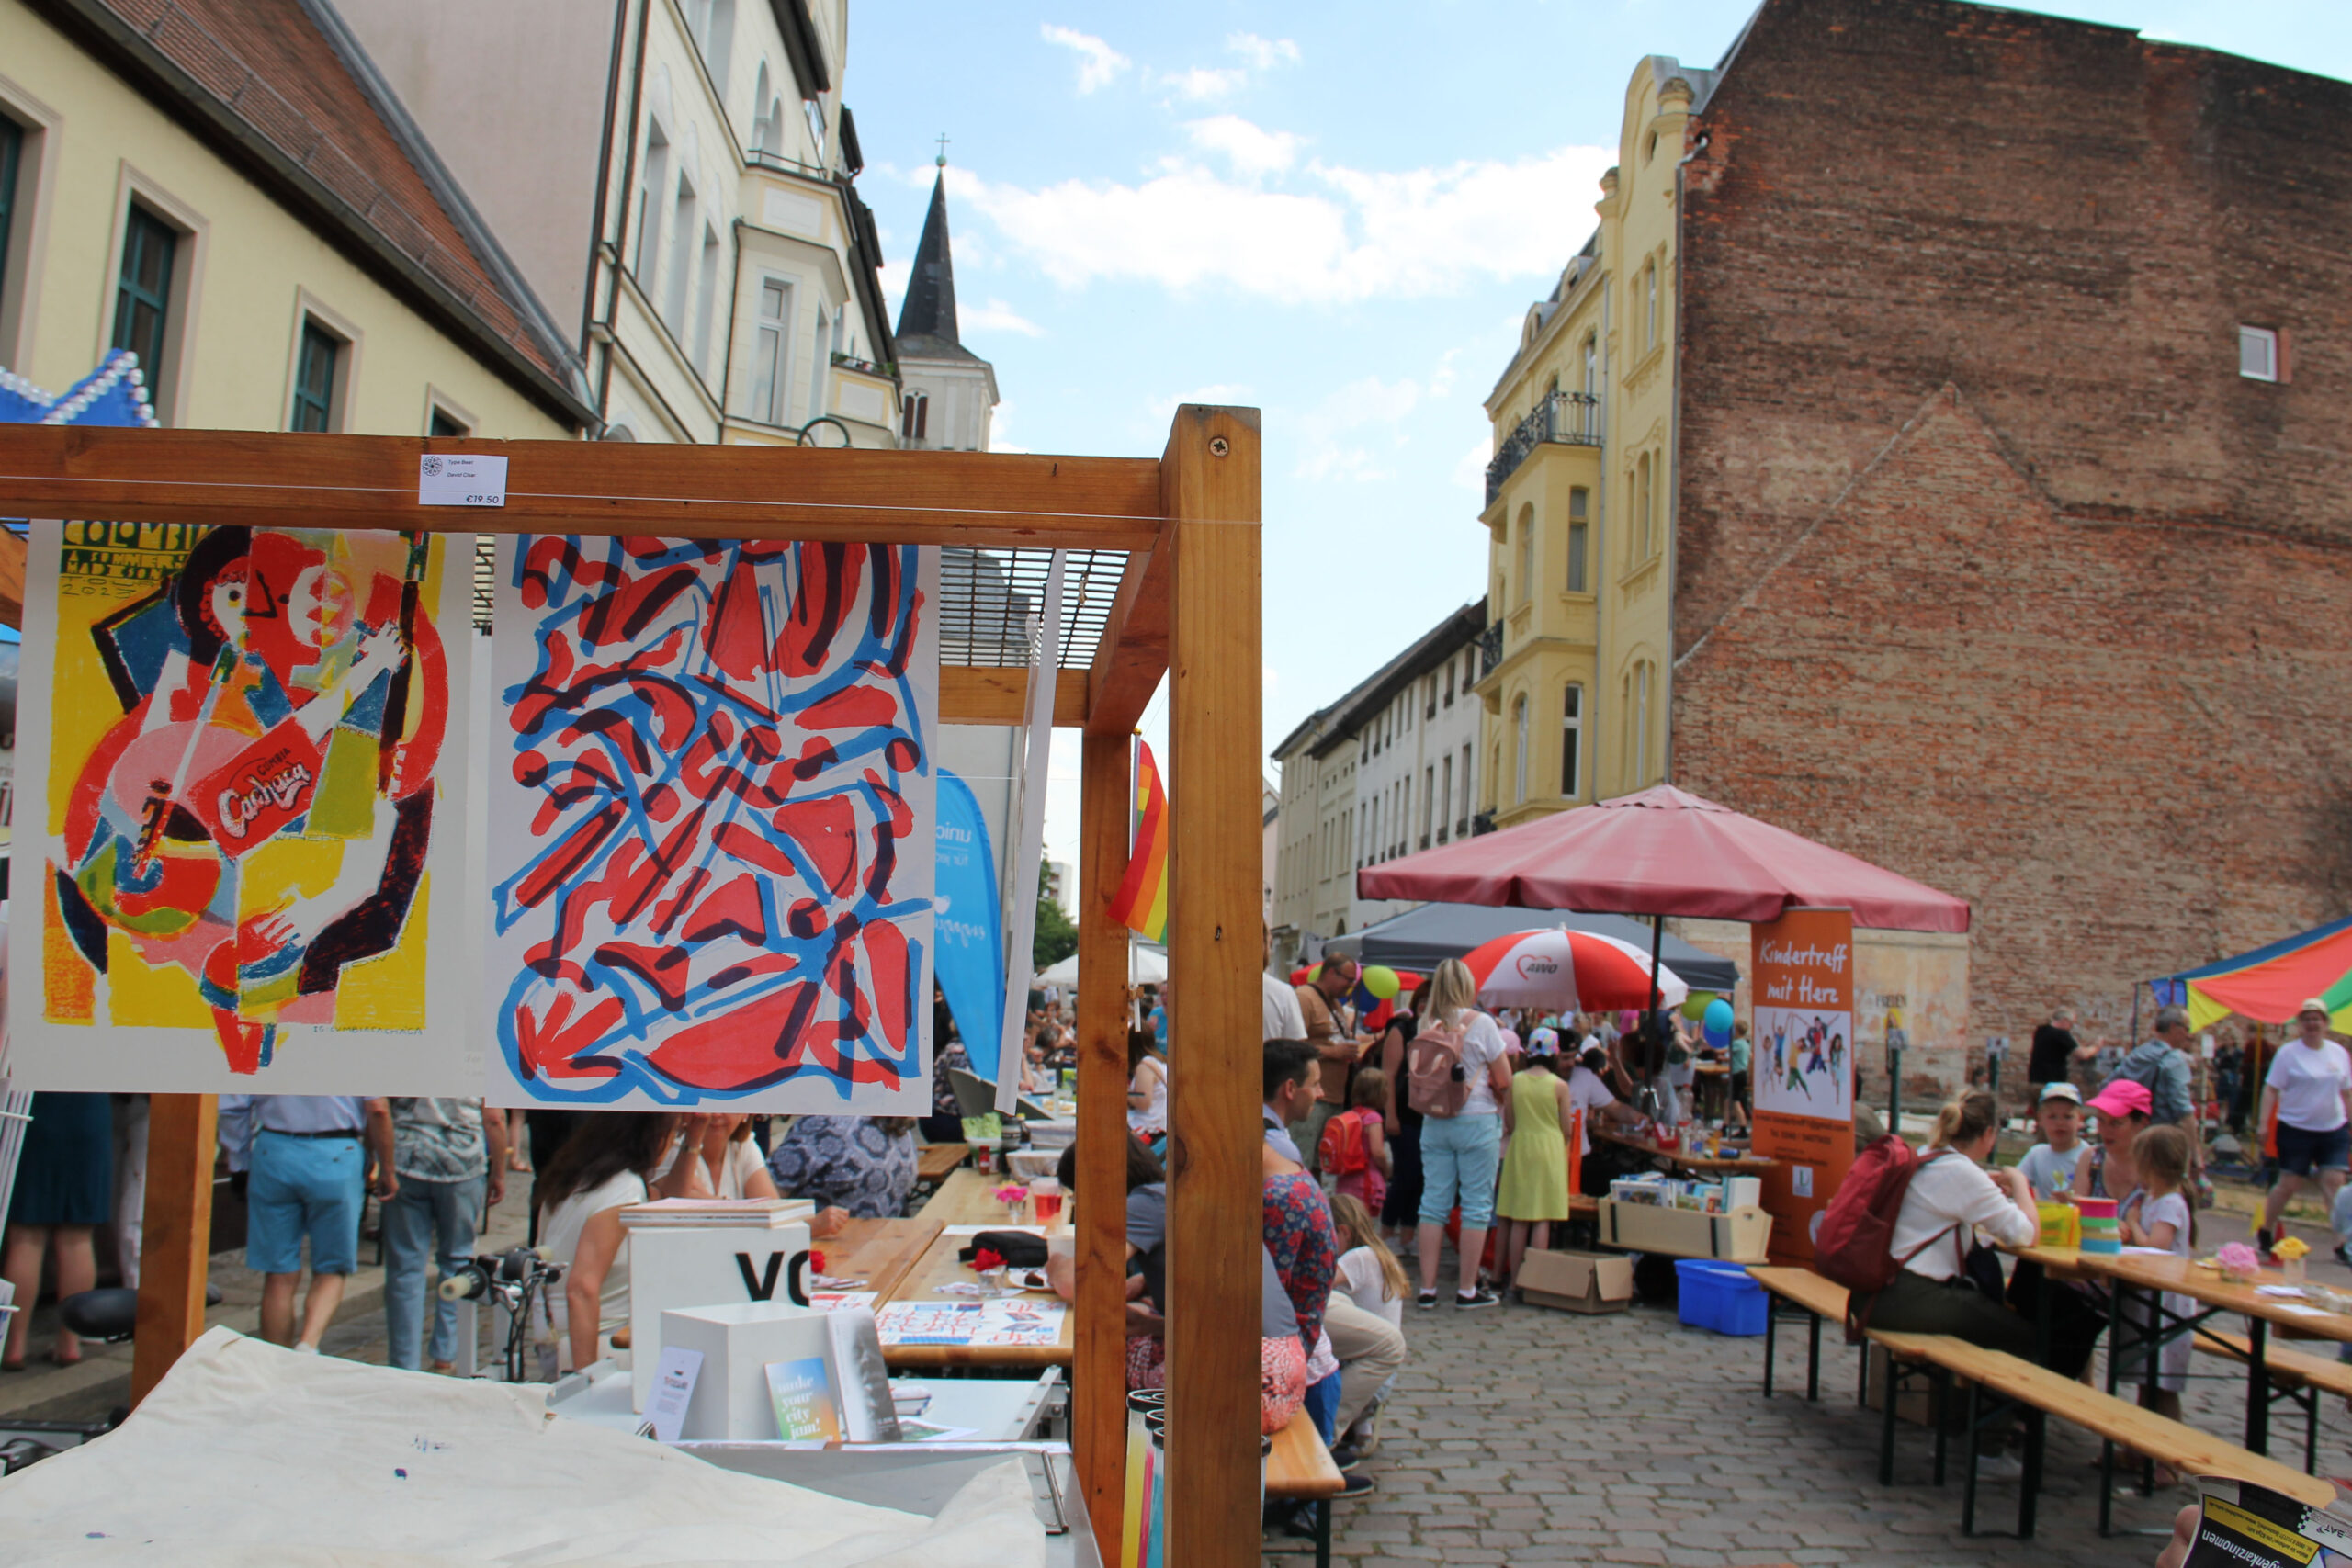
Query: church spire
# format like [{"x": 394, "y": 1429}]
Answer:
[{"x": 927, "y": 320}]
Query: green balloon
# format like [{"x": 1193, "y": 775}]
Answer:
[{"x": 1380, "y": 981}]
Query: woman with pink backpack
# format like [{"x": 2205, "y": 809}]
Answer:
[{"x": 1457, "y": 1077}]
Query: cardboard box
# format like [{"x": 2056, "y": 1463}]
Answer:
[
  {"x": 1740, "y": 1236},
  {"x": 1577, "y": 1281}
]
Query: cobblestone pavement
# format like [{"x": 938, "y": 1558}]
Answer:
[{"x": 1530, "y": 1436}]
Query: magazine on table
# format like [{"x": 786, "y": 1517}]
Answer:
[{"x": 2241, "y": 1525}]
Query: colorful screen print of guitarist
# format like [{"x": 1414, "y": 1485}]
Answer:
[
  {"x": 236, "y": 762},
  {"x": 711, "y": 824}
]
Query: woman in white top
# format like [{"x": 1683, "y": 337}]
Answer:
[
  {"x": 732, "y": 1166},
  {"x": 611, "y": 1160},
  {"x": 1147, "y": 1086},
  {"x": 1952, "y": 1201},
  {"x": 2310, "y": 1088},
  {"x": 1460, "y": 1154}
]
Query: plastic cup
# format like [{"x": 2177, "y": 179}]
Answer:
[{"x": 1045, "y": 1200}]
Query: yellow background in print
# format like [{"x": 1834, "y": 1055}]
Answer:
[
  {"x": 163, "y": 996},
  {"x": 388, "y": 990}
]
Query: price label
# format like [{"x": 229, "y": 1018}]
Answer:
[{"x": 449, "y": 479}]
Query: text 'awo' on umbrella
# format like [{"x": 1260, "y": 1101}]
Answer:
[{"x": 1560, "y": 969}]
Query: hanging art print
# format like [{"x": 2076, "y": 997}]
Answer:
[
  {"x": 712, "y": 819},
  {"x": 240, "y": 812}
]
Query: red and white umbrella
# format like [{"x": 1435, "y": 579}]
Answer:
[{"x": 1560, "y": 969}]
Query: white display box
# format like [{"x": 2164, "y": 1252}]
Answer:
[
  {"x": 701, "y": 1266},
  {"x": 731, "y": 1402}
]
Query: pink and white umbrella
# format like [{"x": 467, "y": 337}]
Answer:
[{"x": 1560, "y": 969}]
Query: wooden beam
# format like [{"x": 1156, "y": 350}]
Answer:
[
  {"x": 1133, "y": 654},
  {"x": 997, "y": 501},
  {"x": 176, "y": 1238},
  {"x": 991, "y": 695},
  {"x": 12, "y": 580},
  {"x": 1209, "y": 487},
  {"x": 1099, "y": 1382}
]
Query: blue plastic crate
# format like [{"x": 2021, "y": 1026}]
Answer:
[{"x": 1719, "y": 1296}]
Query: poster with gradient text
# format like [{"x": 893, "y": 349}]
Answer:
[
  {"x": 239, "y": 820},
  {"x": 1803, "y": 1066},
  {"x": 712, "y": 824}
]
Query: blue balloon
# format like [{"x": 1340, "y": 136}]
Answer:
[{"x": 1716, "y": 1024}]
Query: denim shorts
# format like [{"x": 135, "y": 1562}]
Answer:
[
  {"x": 2304, "y": 1153},
  {"x": 299, "y": 1186},
  {"x": 1460, "y": 1157}
]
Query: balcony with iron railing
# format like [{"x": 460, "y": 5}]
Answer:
[
  {"x": 1490, "y": 649},
  {"x": 1569, "y": 418}
]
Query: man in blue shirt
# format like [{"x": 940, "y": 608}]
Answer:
[
  {"x": 2161, "y": 1066},
  {"x": 309, "y": 1158}
]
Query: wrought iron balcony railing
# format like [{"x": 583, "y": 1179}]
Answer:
[
  {"x": 1490, "y": 649},
  {"x": 1573, "y": 418}
]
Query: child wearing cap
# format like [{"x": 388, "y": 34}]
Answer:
[{"x": 2051, "y": 1166}]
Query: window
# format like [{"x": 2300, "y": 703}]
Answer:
[
  {"x": 1445, "y": 800},
  {"x": 1572, "y": 743},
  {"x": 707, "y": 289},
  {"x": 914, "y": 416},
  {"x": 2258, "y": 353},
  {"x": 1429, "y": 697},
  {"x": 651, "y": 193},
  {"x": 684, "y": 234},
  {"x": 816, "y": 107},
  {"x": 711, "y": 24},
  {"x": 1642, "y": 510},
  {"x": 1526, "y": 553},
  {"x": 1519, "y": 772},
  {"x": 12, "y": 157},
  {"x": 1579, "y": 507},
  {"x": 1429, "y": 802},
  {"x": 446, "y": 426},
  {"x": 771, "y": 352},
  {"x": 1638, "y": 722},
  {"x": 1449, "y": 683},
  {"x": 1462, "y": 819},
  {"x": 1649, "y": 306},
  {"x": 315, "y": 370},
  {"x": 142, "y": 300}
]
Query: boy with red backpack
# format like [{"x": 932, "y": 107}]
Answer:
[{"x": 1354, "y": 1150}]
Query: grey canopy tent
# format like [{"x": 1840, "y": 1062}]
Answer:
[{"x": 1418, "y": 938}]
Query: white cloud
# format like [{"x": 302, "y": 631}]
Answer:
[
  {"x": 1470, "y": 470},
  {"x": 1262, "y": 54},
  {"x": 1332, "y": 445},
  {"x": 1206, "y": 82},
  {"x": 996, "y": 316},
  {"x": 1335, "y": 235},
  {"x": 1252, "y": 150},
  {"x": 1098, "y": 63}
]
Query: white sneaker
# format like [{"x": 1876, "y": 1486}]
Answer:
[
  {"x": 302, "y": 1350},
  {"x": 1999, "y": 1467}
]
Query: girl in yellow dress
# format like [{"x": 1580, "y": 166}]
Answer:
[{"x": 1534, "y": 1189}]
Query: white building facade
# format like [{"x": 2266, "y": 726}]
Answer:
[
  {"x": 1388, "y": 770},
  {"x": 674, "y": 176}
]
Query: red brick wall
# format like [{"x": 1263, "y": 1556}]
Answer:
[{"x": 1989, "y": 567}]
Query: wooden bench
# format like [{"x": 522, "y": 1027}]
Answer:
[
  {"x": 1300, "y": 1470},
  {"x": 1812, "y": 1295},
  {"x": 2037, "y": 1393},
  {"x": 2295, "y": 1375}
]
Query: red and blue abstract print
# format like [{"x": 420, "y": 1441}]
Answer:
[{"x": 711, "y": 822}]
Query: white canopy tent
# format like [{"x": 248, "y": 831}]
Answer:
[{"x": 1146, "y": 965}]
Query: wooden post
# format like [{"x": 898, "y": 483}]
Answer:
[
  {"x": 175, "y": 1241},
  {"x": 1099, "y": 1383},
  {"x": 1209, "y": 493}
]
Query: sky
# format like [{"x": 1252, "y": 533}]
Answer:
[{"x": 1337, "y": 214}]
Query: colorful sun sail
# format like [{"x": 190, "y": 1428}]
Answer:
[{"x": 2269, "y": 983}]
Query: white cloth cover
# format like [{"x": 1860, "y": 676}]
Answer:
[{"x": 247, "y": 1456}]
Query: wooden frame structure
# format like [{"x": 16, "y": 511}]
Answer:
[{"x": 1187, "y": 608}]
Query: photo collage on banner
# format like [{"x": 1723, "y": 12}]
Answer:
[
  {"x": 239, "y": 820},
  {"x": 712, "y": 824},
  {"x": 1803, "y": 1067}
]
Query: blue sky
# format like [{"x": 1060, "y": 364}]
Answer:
[{"x": 1338, "y": 214}]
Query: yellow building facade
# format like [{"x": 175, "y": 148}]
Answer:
[
  {"x": 143, "y": 208},
  {"x": 1579, "y": 495}
]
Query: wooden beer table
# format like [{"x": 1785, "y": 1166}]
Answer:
[
  {"x": 879, "y": 1252},
  {"x": 969, "y": 1197},
  {"x": 1745, "y": 1165},
  {"x": 933, "y": 1161},
  {"x": 939, "y": 1265},
  {"x": 2151, "y": 1274}
]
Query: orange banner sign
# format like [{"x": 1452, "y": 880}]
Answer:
[{"x": 1804, "y": 1067}]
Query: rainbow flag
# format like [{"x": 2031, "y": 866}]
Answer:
[{"x": 1141, "y": 903}]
